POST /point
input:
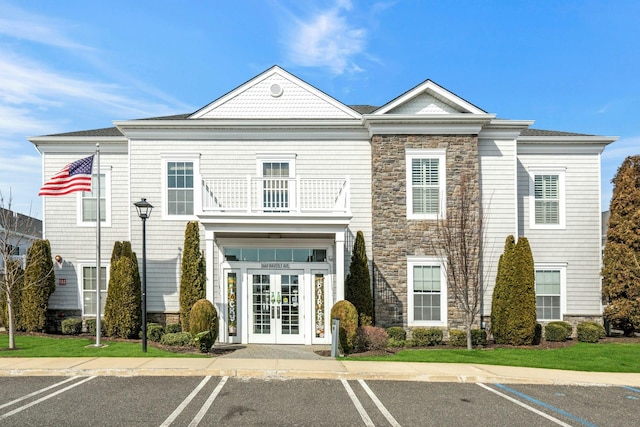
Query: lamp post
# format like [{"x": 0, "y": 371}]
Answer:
[{"x": 144, "y": 211}]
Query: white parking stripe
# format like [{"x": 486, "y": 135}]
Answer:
[
  {"x": 357, "y": 404},
  {"x": 379, "y": 404},
  {"x": 185, "y": 402},
  {"x": 42, "y": 399},
  {"x": 196, "y": 420},
  {"x": 42, "y": 390},
  {"x": 524, "y": 405}
]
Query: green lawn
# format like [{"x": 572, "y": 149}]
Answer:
[
  {"x": 599, "y": 357},
  {"x": 63, "y": 346}
]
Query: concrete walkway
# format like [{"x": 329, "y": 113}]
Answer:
[{"x": 324, "y": 368}]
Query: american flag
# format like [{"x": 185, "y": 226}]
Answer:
[{"x": 75, "y": 176}]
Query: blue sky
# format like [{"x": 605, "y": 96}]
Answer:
[{"x": 74, "y": 65}]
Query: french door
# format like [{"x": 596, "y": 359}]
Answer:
[{"x": 276, "y": 308}]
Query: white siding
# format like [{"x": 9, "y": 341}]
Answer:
[
  {"x": 578, "y": 244},
  {"x": 75, "y": 243},
  {"x": 498, "y": 192},
  {"x": 223, "y": 159}
]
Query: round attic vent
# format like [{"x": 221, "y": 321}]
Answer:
[{"x": 276, "y": 90}]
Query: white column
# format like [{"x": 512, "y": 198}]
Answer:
[
  {"x": 210, "y": 267},
  {"x": 339, "y": 265}
]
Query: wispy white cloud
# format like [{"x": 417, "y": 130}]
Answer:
[{"x": 327, "y": 39}]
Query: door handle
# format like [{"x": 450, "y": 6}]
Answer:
[
  {"x": 278, "y": 312},
  {"x": 272, "y": 312}
]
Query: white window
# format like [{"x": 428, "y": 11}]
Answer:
[
  {"x": 181, "y": 182},
  {"x": 426, "y": 184},
  {"x": 88, "y": 281},
  {"x": 427, "y": 292},
  {"x": 277, "y": 172},
  {"x": 550, "y": 291},
  {"x": 547, "y": 198},
  {"x": 87, "y": 206}
]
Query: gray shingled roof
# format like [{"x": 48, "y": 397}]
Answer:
[
  {"x": 362, "y": 109},
  {"x": 21, "y": 223}
]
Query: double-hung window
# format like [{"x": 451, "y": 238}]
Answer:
[
  {"x": 427, "y": 292},
  {"x": 547, "y": 198},
  {"x": 89, "y": 285},
  {"x": 550, "y": 292},
  {"x": 426, "y": 184},
  {"x": 180, "y": 178},
  {"x": 87, "y": 201}
]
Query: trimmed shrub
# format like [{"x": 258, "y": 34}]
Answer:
[
  {"x": 91, "y": 327},
  {"x": 203, "y": 324},
  {"x": 397, "y": 333},
  {"x": 371, "y": 338},
  {"x": 173, "y": 328},
  {"x": 348, "y": 316},
  {"x": 39, "y": 284},
  {"x": 15, "y": 284},
  {"x": 602, "y": 333},
  {"x": 396, "y": 343},
  {"x": 555, "y": 333},
  {"x": 423, "y": 337},
  {"x": 123, "y": 312},
  {"x": 457, "y": 338},
  {"x": 72, "y": 326},
  {"x": 193, "y": 276},
  {"x": 155, "y": 332},
  {"x": 478, "y": 337},
  {"x": 565, "y": 325},
  {"x": 588, "y": 332},
  {"x": 357, "y": 285},
  {"x": 500, "y": 303},
  {"x": 521, "y": 324},
  {"x": 180, "y": 339}
]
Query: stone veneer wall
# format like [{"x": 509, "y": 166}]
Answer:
[{"x": 394, "y": 236}]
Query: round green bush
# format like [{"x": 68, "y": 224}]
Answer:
[
  {"x": 553, "y": 332},
  {"x": 397, "y": 333},
  {"x": 566, "y": 325},
  {"x": 588, "y": 332},
  {"x": 172, "y": 328},
  {"x": 348, "y": 316},
  {"x": 371, "y": 338},
  {"x": 91, "y": 326},
  {"x": 423, "y": 337},
  {"x": 155, "y": 332},
  {"x": 478, "y": 337},
  {"x": 180, "y": 339},
  {"x": 72, "y": 326},
  {"x": 203, "y": 318},
  {"x": 457, "y": 338},
  {"x": 602, "y": 333}
]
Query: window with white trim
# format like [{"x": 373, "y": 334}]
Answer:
[
  {"x": 427, "y": 293},
  {"x": 547, "y": 199},
  {"x": 88, "y": 282},
  {"x": 425, "y": 184},
  {"x": 549, "y": 292},
  {"x": 87, "y": 202},
  {"x": 181, "y": 181},
  {"x": 277, "y": 172}
]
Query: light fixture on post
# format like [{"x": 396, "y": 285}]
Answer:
[{"x": 144, "y": 209}]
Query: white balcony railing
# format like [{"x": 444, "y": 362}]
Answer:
[{"x": 276, "y": 195}]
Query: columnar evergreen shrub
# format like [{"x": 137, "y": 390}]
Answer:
[
  {"x": 423, "y": 337},
  {"x": 500, "y": 303},
  {"x": 17, "y": 274},
  {"x": 621, "y": 262},
  {"x": 122, "y": 313},
  {"x": 348, "y": 316},
  {"x": 203, "y": 324},
  {"x": 555, "y": 333},
  {"x": 72, "y": 326},
  {"x": 371, "y": 338},
  {"x": 181, "y": 339},
  {"x": 357, "y": 286},
  {"x": 39, "y": 284},
  {"x": 588, "y": 332},
  {"x": 521, "y": 323},
  {"x": 193, "y": 276}
]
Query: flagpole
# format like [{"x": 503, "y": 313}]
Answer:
[{"x": 98, "y": 261}]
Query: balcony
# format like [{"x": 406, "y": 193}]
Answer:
[{"x": 276, "y": 196}]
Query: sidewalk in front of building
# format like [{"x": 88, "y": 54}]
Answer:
[{"x": 306, "y": 368}]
